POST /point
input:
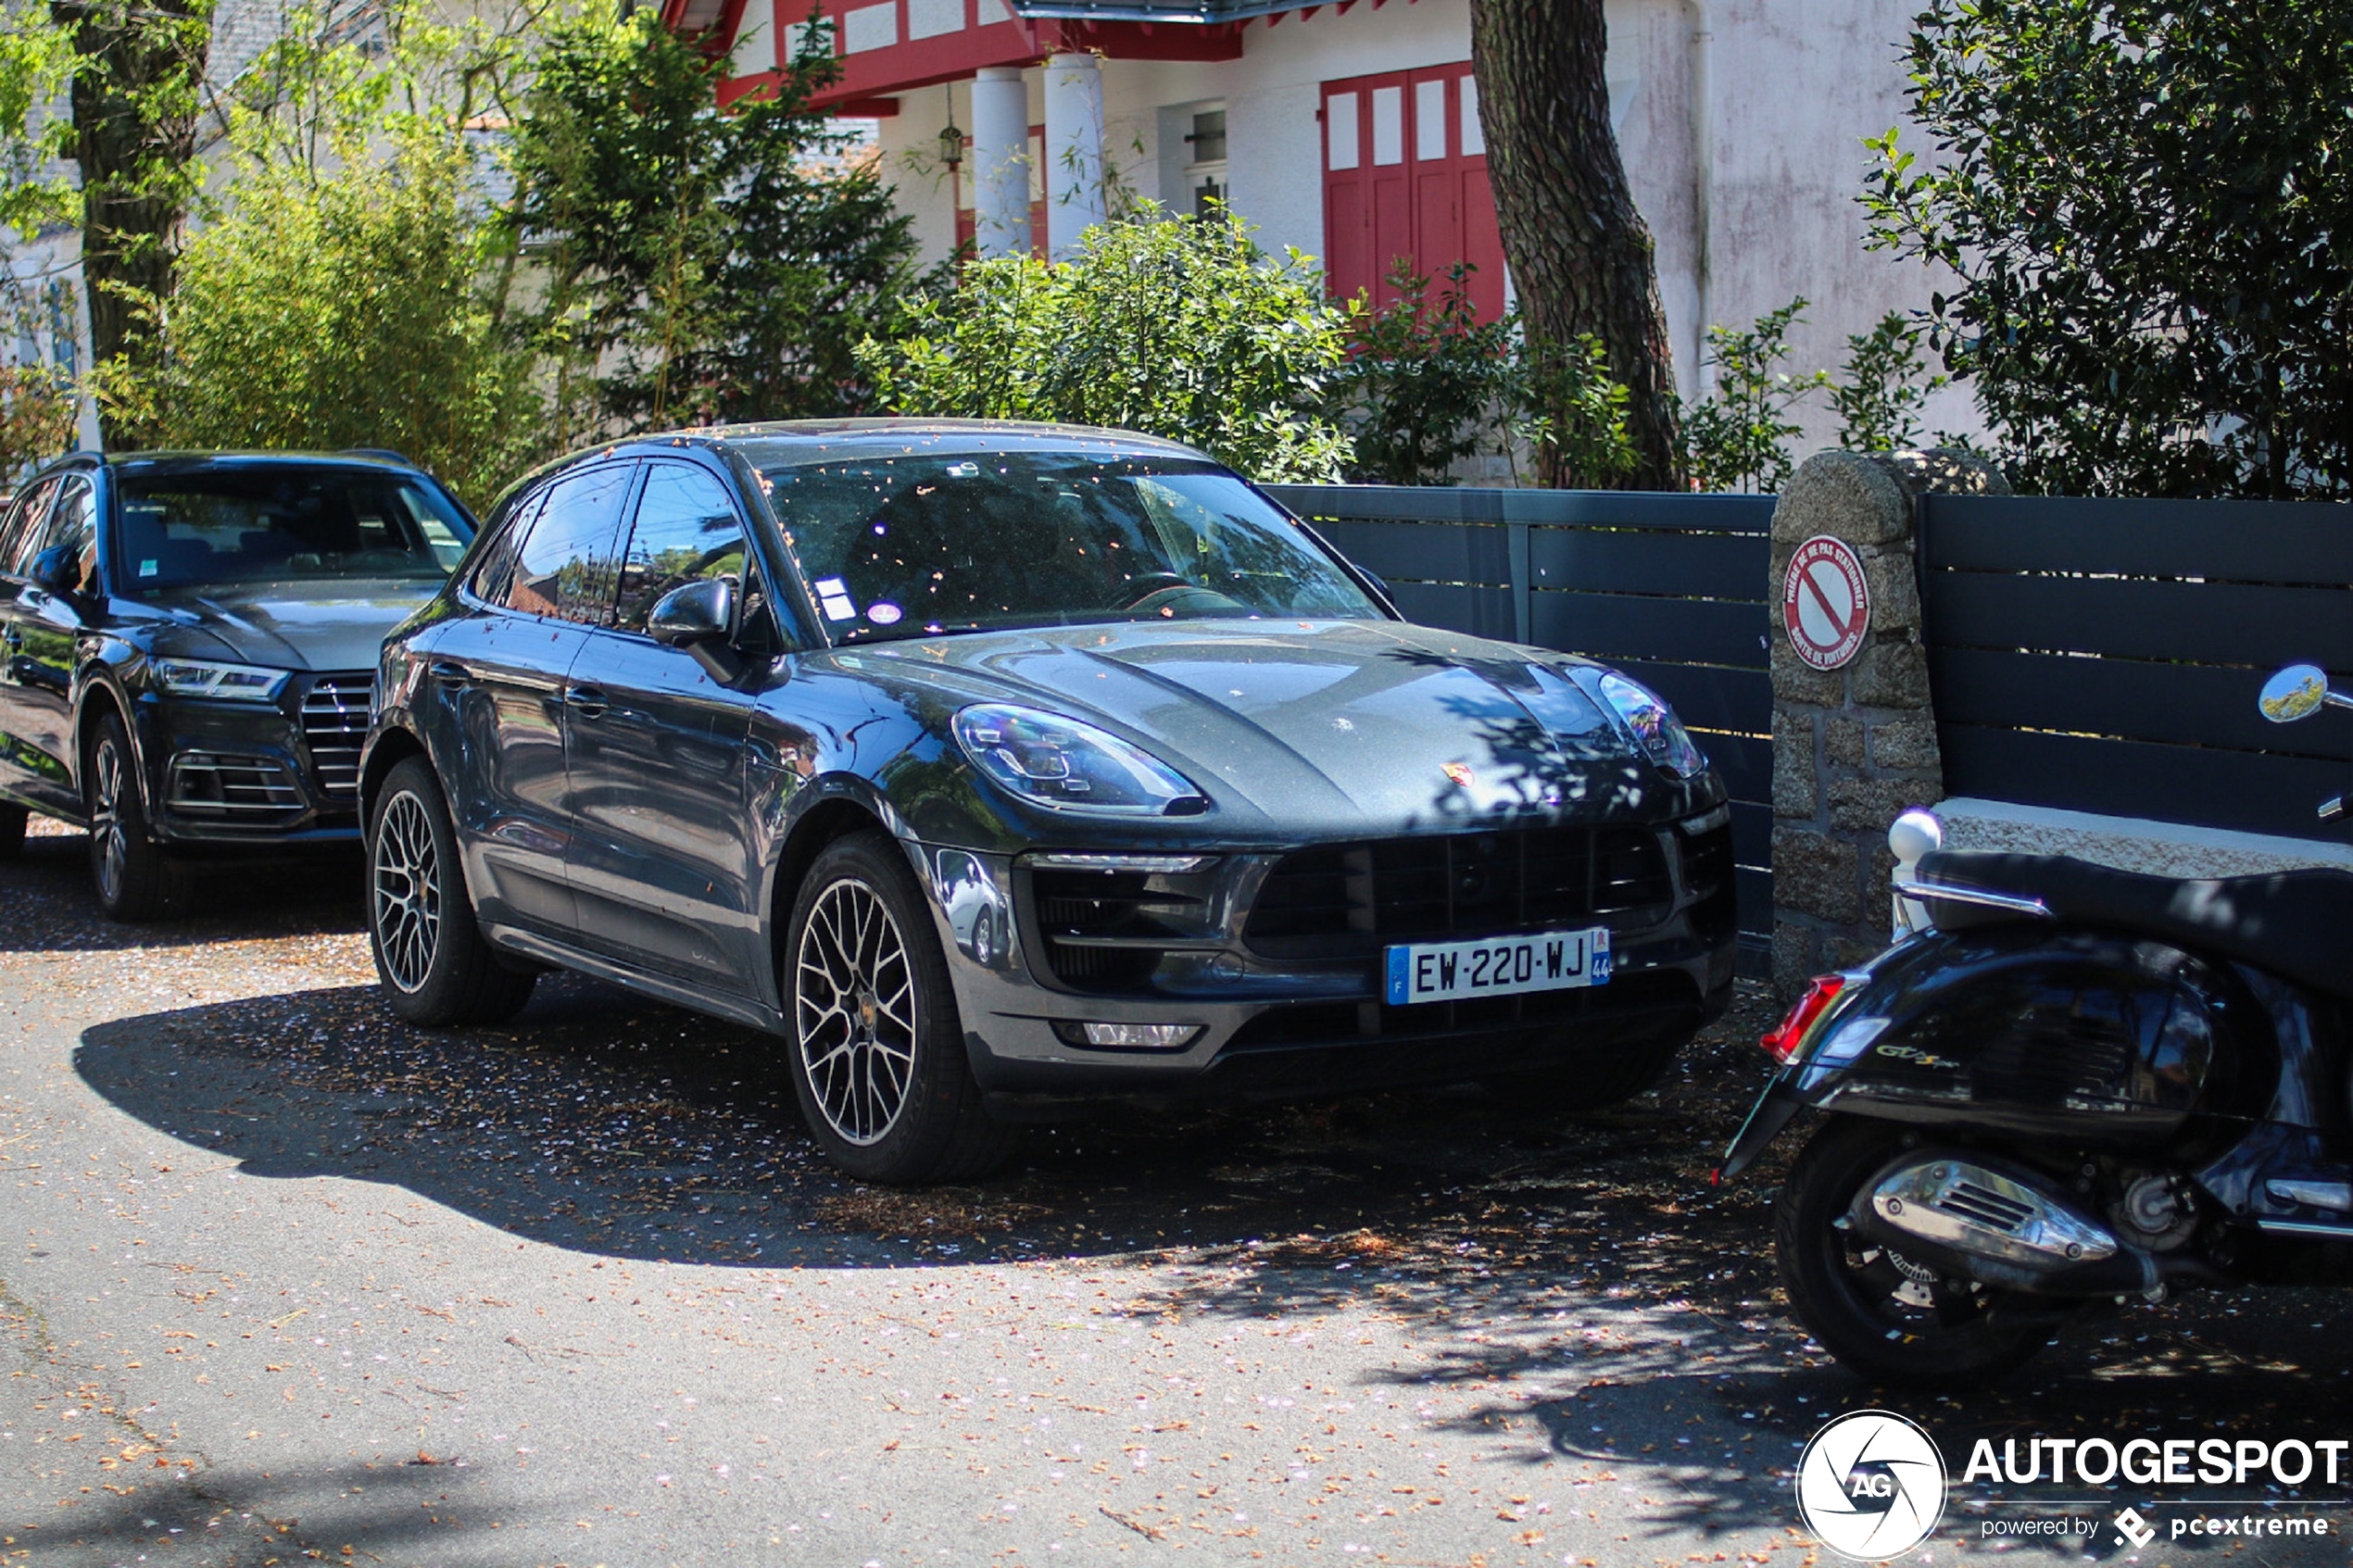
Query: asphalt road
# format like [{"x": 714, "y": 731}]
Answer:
[{"x": 291, "y": 1281}]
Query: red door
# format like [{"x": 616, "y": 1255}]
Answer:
[{"x": 1405, "y": 178}]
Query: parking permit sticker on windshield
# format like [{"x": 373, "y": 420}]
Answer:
[
  {"x": 834, "y": 594},
  {"x": 146, "y": 569},
  {"x": 882, "y": 612}
]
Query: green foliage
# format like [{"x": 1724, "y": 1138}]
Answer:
[
  {"x": 1426, "y": 383},
  {"x": 697, "y": 264},
  {"x": 36, "y": 67},
  {"x": 2148, "y": 207},
  {"x": 1176, "y": 327},
  {"x": 1739, "y": 438},
  {"x": 345, "y": 310},
  {"x": 37, "y": 407},
  {"x": 1879, "y": 398},
  {"x": 1571, "y": 405}
]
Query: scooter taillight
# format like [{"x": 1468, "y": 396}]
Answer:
[{"x": 1781, "y": 1043}]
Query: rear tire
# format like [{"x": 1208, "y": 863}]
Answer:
[
  {"x": 877, "y": 1050},
  {"x": 135, "y": 881},
  {"x": 1883, "y": 1316},
  {"x": 12, "y": 822},
  {"x": 436, "y": 969}
]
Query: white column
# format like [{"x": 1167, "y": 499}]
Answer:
[
  {"x": 1074, "y": 150},
  {"x": 1001, "y": 162}
]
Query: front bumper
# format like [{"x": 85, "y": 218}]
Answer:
[
  {"x": 1277, "y": 1027},
  {"x": 240, "y": 775}
]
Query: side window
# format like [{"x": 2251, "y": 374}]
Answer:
[
  {"x": 73, "y": 523},
  {"x": 490, "y": 575},
  {"x": 687, "y": 529},
  {"x": 565, "y": 566},
  {"x": 21, "y": 533}
]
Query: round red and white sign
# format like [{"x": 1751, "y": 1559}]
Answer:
[{"x": 1825, "y": 602}]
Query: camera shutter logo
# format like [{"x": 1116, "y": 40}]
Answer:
[{"x": 1871, "y": 1486}]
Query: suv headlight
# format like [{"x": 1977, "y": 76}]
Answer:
[
  {"x": 226, "y": 682},
  {"x": 1653, "y": 723},
  {"x": 1070, "y": 766}
]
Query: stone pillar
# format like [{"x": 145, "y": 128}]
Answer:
[
  {"x": 1853, "y": 746},
  {"x": 1074, "y": 151},
  {"x": 1001, "y": 162}
]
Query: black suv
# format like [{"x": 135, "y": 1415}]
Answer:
[{"x": 186, "y": 647}]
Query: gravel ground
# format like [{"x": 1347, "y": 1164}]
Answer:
[{"x": 296, "y": 1282}]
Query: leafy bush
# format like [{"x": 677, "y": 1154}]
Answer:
[
  {"x": 346, "y": 311},
  {"x": 1426, "y": 384},
  {"x": 1879, "y": 398},
  {"x": 1176, "y": 327},
  {"x": 2148, "y": 208},
  {"x": 37, "y": 408},
  {"x": 1739, "y": 438}
]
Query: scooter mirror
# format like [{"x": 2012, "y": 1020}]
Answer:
[{"x": 2297, "y": 691}]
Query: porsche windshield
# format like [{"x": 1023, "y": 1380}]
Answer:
[
  {"x": 939, "y": 542},
  {"x": 208, "y": 527}
]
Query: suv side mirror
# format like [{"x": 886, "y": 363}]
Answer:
[
  {"x": 59, "y": 569},
  {"x": 696, "y": 612},
  {"x": 699, "y": 617}
]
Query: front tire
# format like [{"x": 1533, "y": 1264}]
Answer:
[
  {"x": 436, "y": 969},
  {"x": 877, "y": 1049},
  {"x": 1885, "y": 1317},
  {"x": 134, "y": 882}
]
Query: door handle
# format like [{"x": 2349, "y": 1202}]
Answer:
[
  {"x": 586, "y": 701},
  {"x": 452, "y": 674}
]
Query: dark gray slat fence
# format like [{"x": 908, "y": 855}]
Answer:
[
  {"x": 1671, "y": 589},
  {"x": 2105, "y": 654}
]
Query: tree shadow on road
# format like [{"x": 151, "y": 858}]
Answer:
[{"x": 52, "y": 908}]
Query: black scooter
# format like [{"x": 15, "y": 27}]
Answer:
[{"x": 2064, "y": 1085}]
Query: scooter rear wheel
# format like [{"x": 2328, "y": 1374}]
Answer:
[{"x": 1881, "y": 1314}]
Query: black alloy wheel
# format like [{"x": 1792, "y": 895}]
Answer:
[
  {"x": 877, "y": 1050},
  {"x": 135, "y": 882},
  {"x": 436, "y": 969},
  {"x": 1888, "y": 1318}
]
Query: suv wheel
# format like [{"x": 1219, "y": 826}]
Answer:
[
  {"x": 877, "y": 1050},
  {"x": 436, "y": 969},
  {"x": 135, "y": 881}
]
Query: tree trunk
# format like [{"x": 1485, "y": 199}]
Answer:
[
  {"x": 134, "y": 115},
  {"x": 1579, "y": 251}
]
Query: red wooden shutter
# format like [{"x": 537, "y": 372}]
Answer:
[{"x": 1406, "y": 176}]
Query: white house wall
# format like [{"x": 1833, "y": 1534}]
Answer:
[{"x": 1793, "y": 87}]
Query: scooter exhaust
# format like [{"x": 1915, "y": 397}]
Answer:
[{"x": 1993, "y": 1223}]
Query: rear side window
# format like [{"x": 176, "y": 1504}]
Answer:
[
  {"x": 567, "y": 565},
  {"x": 21, "y": 533},
  {"x": 686, "y": 530}
]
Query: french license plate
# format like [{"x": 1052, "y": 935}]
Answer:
[{"x": 1499, "y": 966}]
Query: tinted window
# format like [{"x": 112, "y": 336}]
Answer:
[
  {"x": 203, "y": 527},
  {"x": 565, "y": 566},
  {"x": 20, "y": 535},
  {"x": 941, "y": 541},
  {"x": 687, "y": 529},
  {"x": 73, "y": 524}
]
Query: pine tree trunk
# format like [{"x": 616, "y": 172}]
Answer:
[
  {"x": 134, "y": 117},
  {"x": 1579, "y": 251}
]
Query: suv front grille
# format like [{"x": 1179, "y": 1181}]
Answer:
[
  {"x": 334, "y": 722},
  {"x": 1349, "y": 900}
]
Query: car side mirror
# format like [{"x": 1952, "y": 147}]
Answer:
[
  {"x": 700, "y": 617},
  {"x": 2297, "y": 691},
  {"x": 59, "y": 569},
  {"x": 697, "y": 612}
]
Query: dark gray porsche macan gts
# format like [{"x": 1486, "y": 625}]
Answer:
[{"x": 998, "y": 767}]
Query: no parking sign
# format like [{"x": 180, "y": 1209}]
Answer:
[{"x": 1826, "y": 604}]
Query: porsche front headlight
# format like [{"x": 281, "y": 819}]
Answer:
[
  {"x": 1662, "y": 735},
  {"x": 1070, "y": 766}
]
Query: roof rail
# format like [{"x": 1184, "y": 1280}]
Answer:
[{"x": 388, "y": 453}]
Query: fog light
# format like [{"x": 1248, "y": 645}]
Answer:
[{"x": 1140, "y": 1037}]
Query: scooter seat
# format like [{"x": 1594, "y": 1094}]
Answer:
[{"x": 2298, "y": 925}]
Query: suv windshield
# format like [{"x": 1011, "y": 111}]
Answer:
[
  {"x": 209, "y": 527},
  {"x": 936, "y": 542}
]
